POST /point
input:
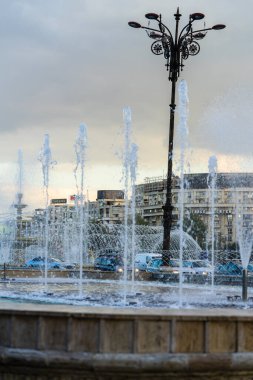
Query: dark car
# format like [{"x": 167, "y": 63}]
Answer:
[{"x": 112, "y": 263}]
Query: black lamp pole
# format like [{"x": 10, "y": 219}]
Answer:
[{"x": 175, "y": 51}]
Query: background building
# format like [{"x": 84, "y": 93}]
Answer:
[
  {"x": 233, "y": 195},
  {"x": 109, "y": 207}
]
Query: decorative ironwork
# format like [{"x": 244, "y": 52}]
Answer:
[
  {"x": 157, "y": 47},
  {"x": 175, "y": 50}
]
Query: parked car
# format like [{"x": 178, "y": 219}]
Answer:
[
  {"x": 112, "y": 263},
  {"x": 200, "y": 267},
  {"x": 142, "y": 259},
  {"x": 154, "y": 265},
  {"x": 230, "y": 268},
  {"x": 229, "y": 273},
  {"x": 193, "y": 270},
  {"x": 68, "y": 265},
  {"x": 39, "y": 263}
]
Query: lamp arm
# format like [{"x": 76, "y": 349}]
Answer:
[
  {"x": 165, "y": 27},
  {"x": 147, "y": 28},
  {"x": 201, "y": 30},
  {"x": 163, "y": 33},
  {"x": 186, "y": 34}
]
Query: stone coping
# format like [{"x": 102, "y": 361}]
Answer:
[
  {"x": 129, "y": 343},
  {"x": 117, "y": 362},
  {"x": 9, "y": 306}
]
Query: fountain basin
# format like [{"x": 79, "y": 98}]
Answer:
[
  {"x": 18, "y": 273},
  {"x": 71, "y": 342}
]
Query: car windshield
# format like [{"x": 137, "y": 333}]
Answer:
[
  {"x": 113, "y": 260},
  {"x": 197, "y": 264},
  {"x": 155, "y": 263},
  {"x": 187, "y": 264},
  {"x": 105, "y": 261},
  {"x": 250, "y": 267}
]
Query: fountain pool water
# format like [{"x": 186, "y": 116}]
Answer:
[
  {"x": 76, "y": 240},
  {"x": 108, "y": 288}
]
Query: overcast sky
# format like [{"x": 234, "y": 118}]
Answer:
[{"x": 66, "y": 62}]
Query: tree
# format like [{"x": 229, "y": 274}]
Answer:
[
  {"x": 196, "y": 228},
  {"x": 140, "y": 221}
]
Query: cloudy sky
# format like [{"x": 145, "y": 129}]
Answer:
[{"x": 66, "y": 62}]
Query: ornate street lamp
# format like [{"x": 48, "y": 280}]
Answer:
[{"x": 175, "y": 51}]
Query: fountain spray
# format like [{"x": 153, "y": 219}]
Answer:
[
  {"x": 126, "y": 165},
  {"x": 211, "y": 180},
  {"x": 245, "y": 241},
  {"x": 47, "y": 162},
  {"x": 133, "y": 166},
  {"x": 183, "y": 131},
  {"x": 80, "y": 150}
]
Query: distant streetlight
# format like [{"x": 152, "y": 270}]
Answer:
[{"x": 175, "y": 50}]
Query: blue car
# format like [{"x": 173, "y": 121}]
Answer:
[
  {"x": 230, "y": 273},
  {"x": 39, "y": 263},
  {"x": 230, "y": 268},
  {"x": 109, "y": 263}
]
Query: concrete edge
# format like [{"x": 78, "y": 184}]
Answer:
[{"x": 113, "y": 362}]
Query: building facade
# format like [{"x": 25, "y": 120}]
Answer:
[
  {"x": 108, "y": 208},
  {"x": 220, "y": 207}
]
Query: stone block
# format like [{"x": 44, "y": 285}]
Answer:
[
  {"x": 83, "y": 335},
  {"x": 221, "y": 336},
  {"x": 153, "y": 336},
  {"x": 52, "y": 333},
  {"x": 24, "y": 332},
  {"x": 245, "y": 336},
  {"x": 5, "y": 330},
  {"x": 188, "y": 336},
  {"x": 116, "y": 336}
]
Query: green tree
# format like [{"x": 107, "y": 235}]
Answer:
[
  {"x": 140, "y": 221},
  {"x": 196, "y": 228}
]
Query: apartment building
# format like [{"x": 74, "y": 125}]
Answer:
[
  {"x": 108, "y": 207},
  {"x": 220, "y": 206}
]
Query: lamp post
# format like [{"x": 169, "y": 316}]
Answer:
[{"x": 175, "y": 51}]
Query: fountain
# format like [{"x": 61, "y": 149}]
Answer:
[
  {"x": 102, "y": 324},
  {"x": 76, "y": 239},
  {"x": 80, "y": 150},
  {"x": 183, "y": 129},
  {"x": 46, "y": 161},
  {"x": 245, "y": 241},
  {"x": 133, "y": 166},
  {"x": 211, "y": 180}
]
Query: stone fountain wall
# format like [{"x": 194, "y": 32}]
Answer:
[{"x": 58, "y": 342}]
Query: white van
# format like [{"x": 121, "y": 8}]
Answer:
[{"x": 142, "y": 259}]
